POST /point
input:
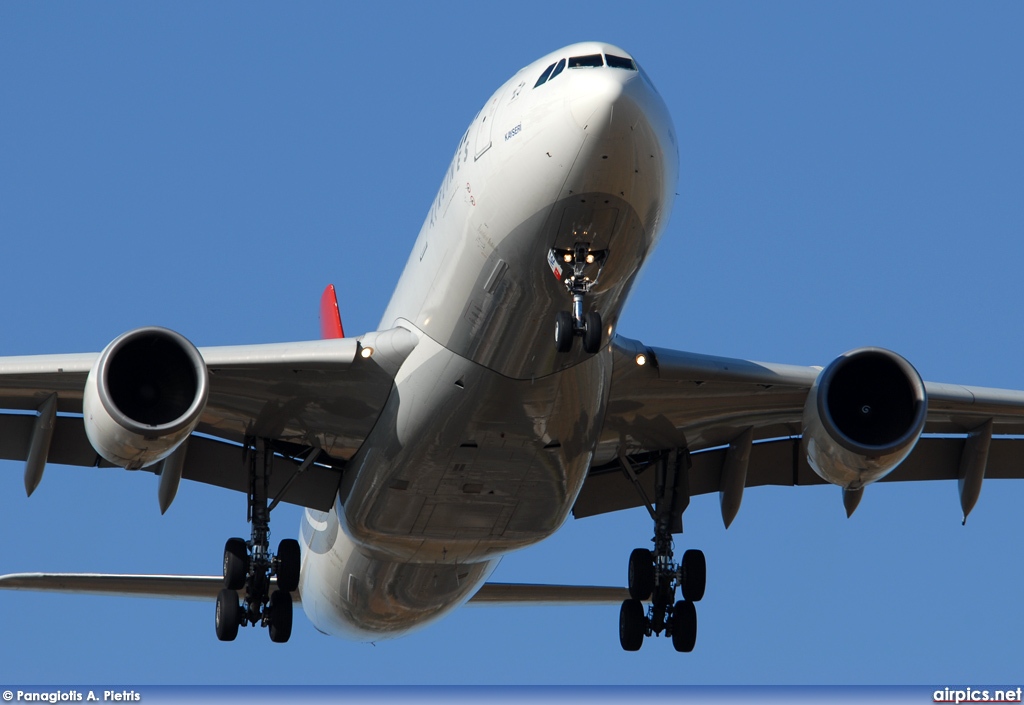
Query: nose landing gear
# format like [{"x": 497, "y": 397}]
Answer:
[{"x": 569, "y": 324}]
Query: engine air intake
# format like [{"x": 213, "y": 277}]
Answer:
[
  {"x": 152, "y": 380},
  {"x": 863, "y": 416},
  {"x": 144, "y": 396},
  {"x": 871, "y": 400}
]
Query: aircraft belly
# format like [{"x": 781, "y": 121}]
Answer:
[
  {"x": 349, "y": 593},
  {"x": 467, "y": 464}
]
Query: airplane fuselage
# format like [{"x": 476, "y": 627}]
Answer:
[{"x": 488, "y": 433}]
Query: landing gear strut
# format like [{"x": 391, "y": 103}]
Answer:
[
  {"x": 250, "y": 565},
  {"x": 569, "y": 324},
  {"x": 654, "y": 575}
]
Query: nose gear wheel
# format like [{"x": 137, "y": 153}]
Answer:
[{"x": 578, "y": 268}]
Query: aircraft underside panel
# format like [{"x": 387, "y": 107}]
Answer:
[
  {"x": 504, "y": 464},
  {"x": 349, "y": 593}
]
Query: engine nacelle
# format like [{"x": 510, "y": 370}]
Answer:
[
  {"x": 144, "y": 396},
  {"x": 863, "y": 416}
]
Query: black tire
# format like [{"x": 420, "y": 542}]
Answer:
[
  {"x": 694, "y": 575},
  {"x": 632, "y": 625},
  {"x": 280, "y": 609},
  {"x": 229, "y": 615},
  {"x": 563, "y": 331},
  {"x": 641, "y": 574},
  {"x": 289, "y": 560},
  {"x": 592, "y": 333},
  {"x": 684, "y": 626},
  {"x": 236, "y": 564}
]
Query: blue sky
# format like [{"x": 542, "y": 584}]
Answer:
[{"x": 851, "y": 174}]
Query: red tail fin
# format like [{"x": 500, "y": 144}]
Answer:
[{"x": 330, "y": 317}]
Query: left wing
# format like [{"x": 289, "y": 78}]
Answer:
[
  {"x": 732, "y": 413},
  {"x": 318, "y": 397},
  {"x": 206, "y": 587}
]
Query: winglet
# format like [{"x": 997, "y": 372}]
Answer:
[{"x": 330, "y": 317}]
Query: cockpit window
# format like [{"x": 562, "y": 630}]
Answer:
[
  {"x": 544, "y": 76},
  {"x": 588, "y": 61},
  {"x": 620, "y": 62},
  {"x": 558, "y": 69}
]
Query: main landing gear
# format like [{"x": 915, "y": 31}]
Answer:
[
  {"x": 654, "y": 575},
  {"x": 249, "y": 565},
  {"x": 569, "y": 324}
]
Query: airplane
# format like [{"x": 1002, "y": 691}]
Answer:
[{"x": 494, "y": 399}]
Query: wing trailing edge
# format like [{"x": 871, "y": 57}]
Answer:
[{"x": 518, "y": 594}]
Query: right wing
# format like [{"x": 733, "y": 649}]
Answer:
[
  {"x": 322, "y": 395},
  {"x": 713, "y": 404}
]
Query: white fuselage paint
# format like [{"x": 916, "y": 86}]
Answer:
[{"x": 488, "y": 432}]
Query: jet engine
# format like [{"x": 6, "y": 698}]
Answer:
[
  {"x": 863, "y": 416},
  {"x": 144, "y": 396}
]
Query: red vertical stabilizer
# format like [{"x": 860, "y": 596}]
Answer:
[{"x": 330, "y": 317}]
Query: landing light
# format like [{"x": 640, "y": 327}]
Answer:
[
  {"x": 567, "y": 257},
  {"x": 641, "y": 359},
  {"x": 590, "y": 259},
  {"x": 365, "y": 353}
]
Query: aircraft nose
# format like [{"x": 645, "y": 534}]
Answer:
[{"x": 594, "y": 93}]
